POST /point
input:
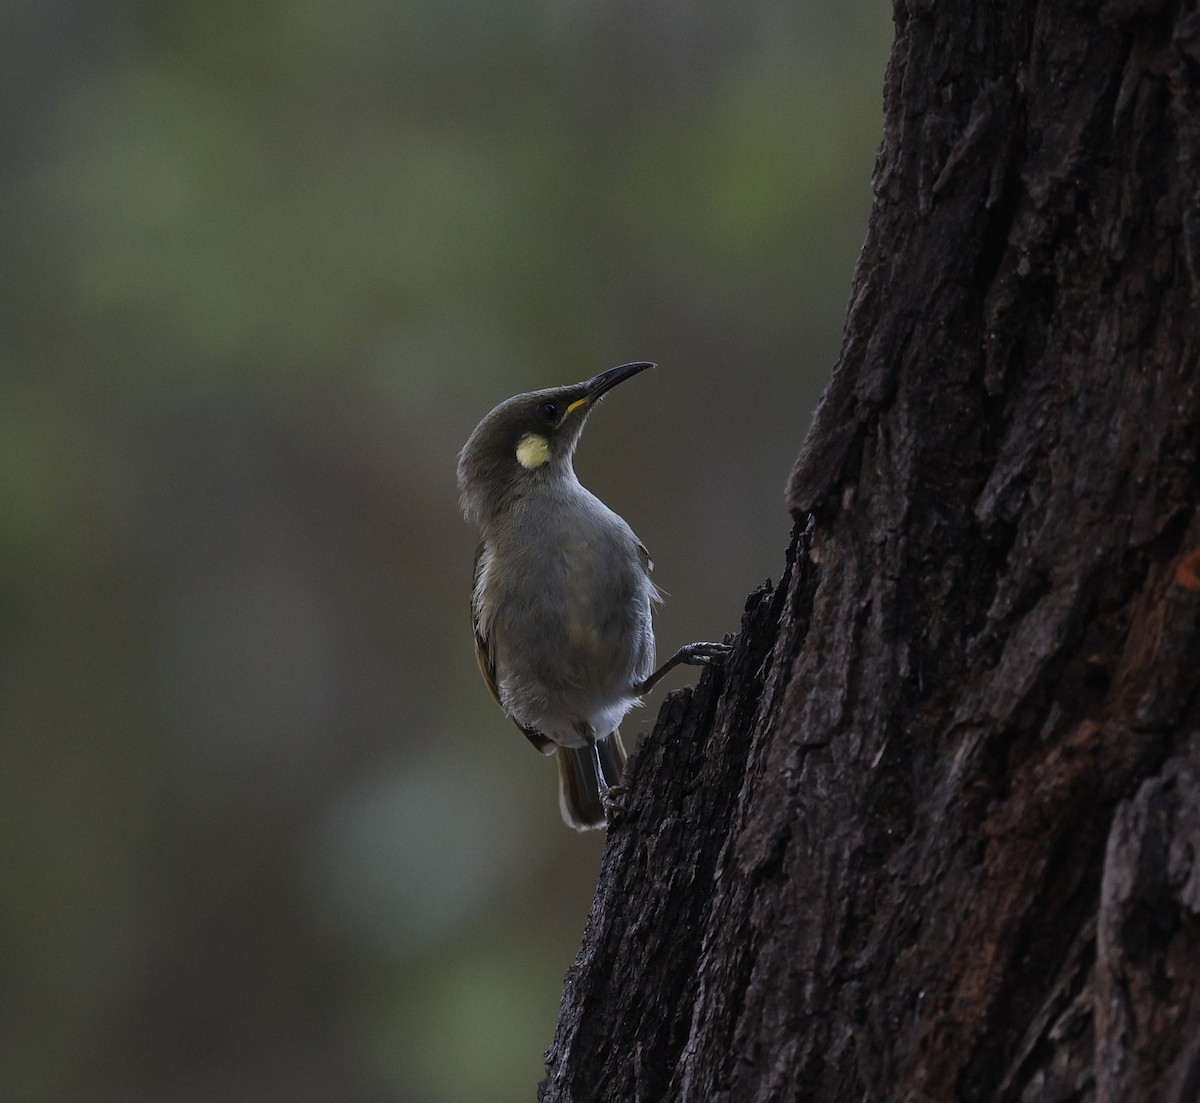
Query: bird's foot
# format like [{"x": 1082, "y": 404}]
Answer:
[
  {"x": 612, "y": 799},
  {"x": 704, "y": 654},
  {"x": 690, "y": 654}
]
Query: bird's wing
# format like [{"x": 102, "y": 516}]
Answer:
[
  {"x": 655, "y": 594},
  {"x": 483, "y": 650},
  {"x": 486, "y": 658}
]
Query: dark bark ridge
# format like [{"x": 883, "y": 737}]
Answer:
[{"x": 934, "y": 833}]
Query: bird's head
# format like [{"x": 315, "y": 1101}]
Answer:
[{"x": 528, "y": 439}]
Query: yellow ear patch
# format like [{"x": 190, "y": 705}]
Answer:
[{"x": 533, "y": 450}]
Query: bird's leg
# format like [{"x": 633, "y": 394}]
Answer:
[
  {"x": 600, "y": 782},
  {"x": 610, "y": 795},
  {"x": 602, "y": 786},
  {"x": 691, "y": 654}
]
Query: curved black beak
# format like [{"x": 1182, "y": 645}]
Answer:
[
  {"x": 601, "y": 384},
  {"x": 606, "y": 380}
]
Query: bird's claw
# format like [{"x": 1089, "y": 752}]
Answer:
[
  {"x": 612, "y": 799},
  {"x": 706, "y": 654},
  {"x": 690, "y": 654}
]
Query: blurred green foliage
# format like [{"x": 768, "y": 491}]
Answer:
[{"x": 266, "y": 264}]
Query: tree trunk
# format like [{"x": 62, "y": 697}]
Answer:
[{"x": 934, "y": 834}]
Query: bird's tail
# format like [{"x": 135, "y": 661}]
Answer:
[{"x": 578, "y": 787}]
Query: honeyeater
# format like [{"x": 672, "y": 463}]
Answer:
[{"x": 562, "y": 597}]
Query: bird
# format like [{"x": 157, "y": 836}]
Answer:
[{"x": 562, "y": 596}]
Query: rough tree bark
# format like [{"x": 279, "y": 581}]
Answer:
[{"x": 935, "y": 832}]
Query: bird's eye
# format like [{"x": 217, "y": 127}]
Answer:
[{"x": 548, "y": 410}]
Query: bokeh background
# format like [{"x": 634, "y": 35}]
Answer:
[{"x": 265, "y": 264}]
